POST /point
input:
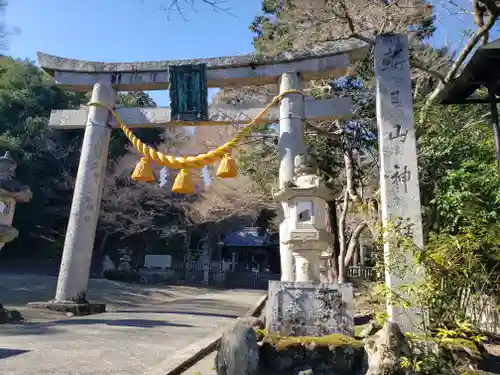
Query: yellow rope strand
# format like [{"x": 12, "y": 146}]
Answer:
[{"x": 198, "y": 161}]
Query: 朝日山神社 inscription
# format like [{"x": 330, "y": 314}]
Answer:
[
  {"x": 398, "y": 134},
  {"x": 309, "y": 309},
  {"x": 399, "y": 190},
  {"x": 401, "y": 176}
]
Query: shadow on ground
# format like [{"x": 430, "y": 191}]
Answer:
[
  {"x": 31, "y": 329},
  {"x": 17, "y": 290},
  {"x": 180, "y": 312},
  {"x": 52, "y": 327},
  {"x": 210, "y": 307},
  {"x": 6, "y": 353},
  {"x": 138, "y": 323}
]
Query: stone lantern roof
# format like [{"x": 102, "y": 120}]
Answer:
[{"x": 306, "y": 181}]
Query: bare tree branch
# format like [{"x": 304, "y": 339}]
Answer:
[{"x": 349, "y": 171}]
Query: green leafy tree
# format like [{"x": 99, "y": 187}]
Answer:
[
  {"x": 46, "y": 162},
  {"x": 48, "y": 159}
]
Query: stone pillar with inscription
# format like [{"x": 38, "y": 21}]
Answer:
[
  {"x": 11, "y": 192},
  {"x": 306, "y": 306},
  {"x": 399, "y": 186}
]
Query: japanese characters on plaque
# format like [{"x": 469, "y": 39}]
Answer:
[{"x": 309, "y": 309}]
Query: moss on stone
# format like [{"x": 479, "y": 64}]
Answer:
[
  {"x": 449, "y": 342},
  {"x": 359, "y": 329},
  {"x": 337, "y": 339},
  {"x": 261, "y": 332}
]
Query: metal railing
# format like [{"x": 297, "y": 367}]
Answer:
[{"x": 360, "y": 272}]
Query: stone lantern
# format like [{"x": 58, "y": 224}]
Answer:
[
  {"x": 307, "y": 237},
  {"x": 11, "y": 192}
]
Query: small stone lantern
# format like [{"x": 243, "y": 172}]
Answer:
[
  {"x": 307, "y": 195},
  {"x": 11, "y": 192}
]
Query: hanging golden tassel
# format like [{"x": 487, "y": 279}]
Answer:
[
  {"x": 227, "y": 167},
  {"x": 143, "y": 171},
  {"x": 183, "y": 183}
]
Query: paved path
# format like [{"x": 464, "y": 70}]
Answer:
[{"x": 140, "y": 331}]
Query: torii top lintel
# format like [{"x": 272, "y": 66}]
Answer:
[{"x": 329, "y": 61}]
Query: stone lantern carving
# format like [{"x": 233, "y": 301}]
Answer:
[
  {"x": 307, "y": 236},
  {"x": 11, "y": 192}
]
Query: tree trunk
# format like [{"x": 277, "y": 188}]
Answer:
[
  {"x": 354, "y": 242},
  {"x": 355, "y": 256},
  {"x": 332, "y": 228},
  {"x": 342, "y": 240}
]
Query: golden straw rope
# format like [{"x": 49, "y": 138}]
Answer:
[{"x": 198, "y": 161}]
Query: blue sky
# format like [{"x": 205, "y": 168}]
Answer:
[
  {"x": 140, "y": 30},
  {"x": 135, "y": 30},
  {"x": 129, "y": 30}
]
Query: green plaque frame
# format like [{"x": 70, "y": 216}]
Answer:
[{"x": 188, "y": 92}]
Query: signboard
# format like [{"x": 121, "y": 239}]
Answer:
[{"x": 188, "y": 92}]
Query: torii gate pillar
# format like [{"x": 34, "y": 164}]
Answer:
[
  {"x": 291, "y": 143},
  {"x": 80, "y": 233}
]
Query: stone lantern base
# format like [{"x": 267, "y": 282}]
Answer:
[{"x": 310, "y": 309}]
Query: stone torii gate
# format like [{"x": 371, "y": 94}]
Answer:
[
  {"x": 399, "y": 174},
  {"x": 105, "y": 79}
]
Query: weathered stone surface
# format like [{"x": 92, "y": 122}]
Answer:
[
  {"x": 238, "y": 352},
  {"x": 9, "y": 187},
  {"x": 334, "y": 354},
  {"x": 80, "y": 233},
  {"x": 246, "y": 70},
  {"x": 307, "y": 309},
  {"x": 379, "y": 354},
  {"x": 50, "y": 63},
  {"x": 7, "y": 233},
  {"x": 399, "y": 187},
  {"x": 12, "y": 188},
  {"x": 10, "y": 316},
  {"x": 369, "y": 330},
  {"x": 385, "y": 350},
  {"x": 222, "y": 114}
]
